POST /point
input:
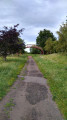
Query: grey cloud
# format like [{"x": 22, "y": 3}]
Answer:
[
  {"x": 33, "y": 15},
  {"x": 44, "y": 14}
]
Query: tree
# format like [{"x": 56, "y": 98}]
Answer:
[
  {"x": 9, "y": 40},
  {"x": 55, "y": 46},
  {"x": 50, "y": 46},
  {"x": 62, "y": 42},
  {"x": 34, "y": 51},
  {"x": 21, "y": 44},
  {"x": 42, "y": 38}
]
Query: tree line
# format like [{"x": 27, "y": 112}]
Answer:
[
  {"x": 10, "y": 41},
  {"x": 49, "y": 42}
]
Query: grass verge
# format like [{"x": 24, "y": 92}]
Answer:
[
  {"x": 54, "y": 68},
  {"x": 9, "y": 71}
]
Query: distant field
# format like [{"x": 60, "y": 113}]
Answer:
[
  {"x": 54, "y": 68},
  {"x": 9, "y": 71}
]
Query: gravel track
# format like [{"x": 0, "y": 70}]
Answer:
[{"x": 31, "y": 96}]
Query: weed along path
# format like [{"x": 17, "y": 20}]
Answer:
[{"x": 29, "y": 98}]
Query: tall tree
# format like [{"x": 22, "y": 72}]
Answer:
[
  {"x": 50, "y": 46},
  {"x": 21, "y": 44},
  {"x": 43, "y": 36},
  {"x": 62, "y": 43},
  {"x": 9, "y": 40}
]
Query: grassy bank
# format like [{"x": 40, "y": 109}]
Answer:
[
  {"x": 54, "y": 68},
  {"x": 9, "y": 71}
]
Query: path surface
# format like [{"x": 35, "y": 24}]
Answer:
[{"x": 31, "y": 98}]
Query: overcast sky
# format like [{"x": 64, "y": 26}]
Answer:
[{"x": 33, "y": 15}]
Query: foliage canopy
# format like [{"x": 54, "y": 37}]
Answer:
[
  {"x": 9, "y": 41},
  {"x": 62, "y": 43},
  {"x": 43, "y": 36}
]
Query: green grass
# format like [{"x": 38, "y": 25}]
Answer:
[
  {"x": 54, "y": 68},
  {"x": 9, "y": 104},
  {"x": 8, "y": 107},
  {"x": 9, "y": 71}
]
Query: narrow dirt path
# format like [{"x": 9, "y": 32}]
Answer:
[{"x": 29, "y": 99}]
